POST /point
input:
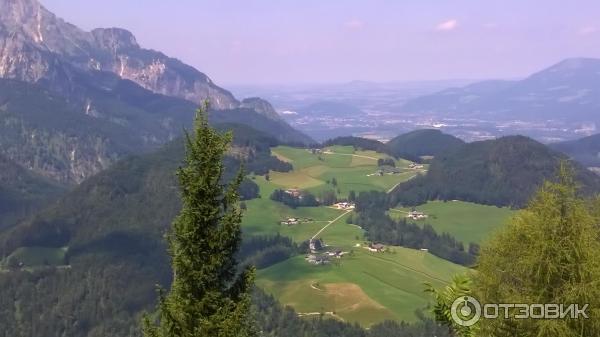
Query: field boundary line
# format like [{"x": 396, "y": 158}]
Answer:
[{"x": 329, "y": 224}]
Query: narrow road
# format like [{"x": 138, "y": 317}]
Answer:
[
  {"x": 330, "y": 222},
  {"x": 350, "y": 154},
  {"x": 397, "y": 210},
  {"x": 391, "y": 189}
]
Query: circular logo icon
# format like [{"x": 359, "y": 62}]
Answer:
[{"x": 466, "y": 311}]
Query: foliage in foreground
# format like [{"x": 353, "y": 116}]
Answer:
[
  {"x": 548, "y": 254},
  {"x": 208, "y": 296}
]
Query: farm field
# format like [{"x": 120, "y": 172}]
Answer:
[
  {"x": 264, "y": 215},
  {"x": 468, "y": 222},
  {"x": 353, "y": 170},
  {"x": 363, "y": 286},
  {"x": 39, "y": 256}
]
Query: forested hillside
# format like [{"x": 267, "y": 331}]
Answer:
[
  {"x": 425, "y": 142},
  {"x": 502, "y": 172},
  {"x": 22, "y": 191},
  {"x": 113, "y": 226}
]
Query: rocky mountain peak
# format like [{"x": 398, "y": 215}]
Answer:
[
  {"x": 116, "y": 39},
  {"x": 36, "y": 45},
  {"x": 261, "y": 106},
  {"x": 25, "y": 16}
]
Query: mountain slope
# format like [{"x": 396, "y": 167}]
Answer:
[
  {"x": 113, "y": 225},
  {"x": 569, "y": 90},
  {"x": 585, "y": 150},
  {"x": 22, "y": 192},
  {"x": 87, "y": 99},
  {"x": 502, "y": 172},
  {"x": 426, "y": 142},
  {"x": 35, "y": 45}
]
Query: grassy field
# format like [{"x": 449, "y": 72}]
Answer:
[
  {"x": 466, "y": 221},
  {"x": 353, "y": 170},
  {"x": 363, "y": 286},
  {"x": 264, "y": 215},
  {"x": 38, "y": 256},
  {"x": 366, "y": 287}
]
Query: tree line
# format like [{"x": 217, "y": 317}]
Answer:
[{"x": 371, "y": 216}]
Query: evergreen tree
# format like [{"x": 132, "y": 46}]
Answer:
[
  {"x": 443, "y": 299},
  {"x": 549, "y": 254},
  {"x": 208, "y": 296}
]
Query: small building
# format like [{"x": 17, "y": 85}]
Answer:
[
  {"x": 317, "y": 259},
  {"x": 424, "y": 249},
  {"x": 415, "y": 166},
  {"x": 323, "y": 259},
  {"x": 294, "y": 192},
  {"x": 291, "y": 221},
  {"x": 416, "y": 215},
  {"x": 376, "y": 247},
  {"x": 344, "y": 205}
]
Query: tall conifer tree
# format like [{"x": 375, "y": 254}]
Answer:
[{"x": 208, "y": 296}]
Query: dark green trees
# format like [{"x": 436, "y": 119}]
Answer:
[
  {"x": 208, "y": 296},
  {"x": 549, "y": 254}
]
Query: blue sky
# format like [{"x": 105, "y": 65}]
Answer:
[{"x": 315, "y": 41}]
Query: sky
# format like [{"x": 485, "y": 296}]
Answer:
[{"x": 328, "y": 41}]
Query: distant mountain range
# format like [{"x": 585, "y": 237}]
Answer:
[
  {"x": 569, "y": 90},
  {"x": 73, "y": 102},
  {"x": 585, "y": 150}
]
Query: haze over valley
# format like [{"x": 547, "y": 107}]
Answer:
[{"x": 254, "y": 168}]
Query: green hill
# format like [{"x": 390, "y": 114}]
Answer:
[
  {"x": 426, "y": 142},
  {"x": 501, "y": 172}
]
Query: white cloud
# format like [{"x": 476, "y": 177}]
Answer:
[
  {"x": 587, "y": 30},
  {"x": 447, "y": 25},
  {"x": 354, "y": 24},
  {"x": 289, "y": 112}
]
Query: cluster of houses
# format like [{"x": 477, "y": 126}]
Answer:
[
  {"x": 416, "y": 215},
  {"x": 344, "y": 205},
  {"x": 295, "y": 221},
  {"x": 325, "y": 258},
  {"x": 319, "y": 258}
]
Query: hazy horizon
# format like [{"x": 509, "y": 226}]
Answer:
[{"x": 316, "y": 42}]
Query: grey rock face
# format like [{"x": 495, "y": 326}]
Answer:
[
  {"x": 34, "y": 43},
  {"x": 261, "y": 106}
]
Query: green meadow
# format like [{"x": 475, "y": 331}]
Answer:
[
  {"x": 467, "y": 221},
  {"x": 353, "y": 170},
  {"x": 363, "y": 286},
  {"x": 32, "y": 257}
]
